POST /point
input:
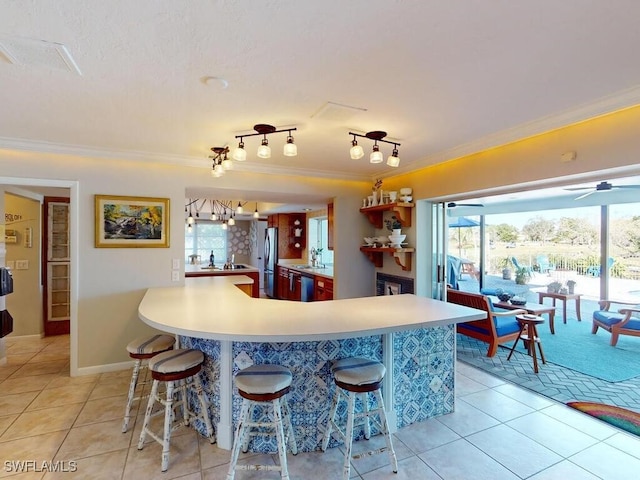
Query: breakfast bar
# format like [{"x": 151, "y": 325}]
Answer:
[{"x": 413, "y": 336}]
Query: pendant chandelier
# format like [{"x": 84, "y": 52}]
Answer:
[
  {"x": 221, "y": 211},
  {"x": 356, "y": 152}
]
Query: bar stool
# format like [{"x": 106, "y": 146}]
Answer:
[
  {"x": 179, "y": 367},
  {"x": 358, "y": 377},
  {"x": 141, "y": 350},
  {"x": 261, "y": 385}
]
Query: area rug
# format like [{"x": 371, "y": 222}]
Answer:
[
  {"x": 574, "y": 346},
  {"x": 616, "y": 416}
]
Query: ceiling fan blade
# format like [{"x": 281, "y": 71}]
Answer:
[{"x": 585, "y": 195}]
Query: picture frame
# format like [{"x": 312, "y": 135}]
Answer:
[{"x": 131, "y": 222}]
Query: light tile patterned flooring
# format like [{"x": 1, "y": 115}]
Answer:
[{"x": 498, "y": 431}]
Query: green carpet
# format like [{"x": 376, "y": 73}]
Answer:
[
  {"x": 574, "y": 346},
  {"x": 619, "y": 417}
]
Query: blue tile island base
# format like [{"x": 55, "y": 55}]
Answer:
[{"x": 419, "y": 380}]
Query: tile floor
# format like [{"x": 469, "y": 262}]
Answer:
[{"x": 498, "y": 431}]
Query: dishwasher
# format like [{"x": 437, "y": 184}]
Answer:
[{"x": 306, "y": 288}]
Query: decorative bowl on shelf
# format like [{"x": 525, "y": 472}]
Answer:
[
  {"x": 406, "y": 191},
  {"x": 519, "y": 301},
  {"x": 369, "y": 241},
  {"x": 396, "y": 240},
  {"x": 381, "y": 240}
]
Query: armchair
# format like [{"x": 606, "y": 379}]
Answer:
[
  {"x": 596, "y": 270},
  {"x": 625, "y": 321},
  {"x": 543, "y": 264},
  {"x": 514, "y": 260}
]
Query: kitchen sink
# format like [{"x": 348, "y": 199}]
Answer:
[{"x": 301, "y": 267}]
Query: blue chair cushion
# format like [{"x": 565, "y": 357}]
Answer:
[
  {"x": 506, "y": 325},
  {"x": 611, "y": 318}
]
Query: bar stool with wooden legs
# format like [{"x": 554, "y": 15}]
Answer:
[
  {"x": 358, "y": 377},
  {"x": 180, "y": 370},
  {"x": 141, "y": 350},
  {"x": 259, "y": 385}
]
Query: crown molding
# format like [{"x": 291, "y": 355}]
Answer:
[{"x": 603, "y": 106}]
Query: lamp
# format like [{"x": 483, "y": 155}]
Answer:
[
  {"x": 221, "y": 161},
  {"x": 264, "y": 151},
  {"x": 255, "y": 213},
  {"x": 221, "y": 211},
  {"x": 357, "y": 152},
  {"x": 239, "y": 208}
]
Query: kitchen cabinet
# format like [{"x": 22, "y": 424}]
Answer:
[
  {"x": 289, "y": 284},
  {"x": 292, "y": 233},
  {"x": 282, "y": 290},
  {"x": 330, "y": 226},
  {"x": 323, "y": 289},
  {"x": 402, "y": 212}
]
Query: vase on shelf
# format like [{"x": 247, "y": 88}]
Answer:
[{"x": 375, "y": 199}]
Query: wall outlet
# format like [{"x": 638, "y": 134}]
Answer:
[
  {"x": 175, "y": 276},
  {"x": 22, "y": 264},
  {"x": 175, "y": 264}
]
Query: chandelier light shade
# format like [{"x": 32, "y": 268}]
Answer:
[
  {"x": 393, "y": 160},
  {"x": 264, "y": 151},
  {"x": 356, "y": 152},
  {"x": 290, "y": 148},
  {"x": 376, "y": 155},
  {"x": 255, "y": 213},
  {"x": 239, "y": 154},
  {"x": 239, "y": 208}
]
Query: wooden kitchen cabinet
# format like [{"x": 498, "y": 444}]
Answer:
[
  {"x": 323, "y": 289},
  {"x": 292, "y": 233},
  {"x": 283, "y": 283},
  {"x": 330, "y": 226}
]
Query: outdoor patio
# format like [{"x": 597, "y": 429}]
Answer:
[{"x": 557, "y": 382}]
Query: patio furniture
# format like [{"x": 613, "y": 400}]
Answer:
[
  {"x": 532, "y": 308},
  {"x": 499, "y": 326},
  {"x": 564, "y": 297},
  {"x": 517, "y": 266},
  {"x": 543, "y": 264},
  {"x": 596, "y": 270},
  {"x": 625, "y": 321},
  {"x": 530, "y": 338}
]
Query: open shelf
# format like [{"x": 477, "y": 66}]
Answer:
[
  {"x": 401, "y": 255},
  {"x": 402, "y": 211}
]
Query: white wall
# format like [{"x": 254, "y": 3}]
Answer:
[{"x": 111, "y": 282}]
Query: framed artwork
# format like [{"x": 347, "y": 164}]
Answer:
[{"x": 131, "y": 222}]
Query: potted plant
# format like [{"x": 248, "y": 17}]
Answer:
[
  {"x": 554, "y": 287},
  {"x": 571, "y": 286},
  {"x": 505, "y": 264},
  {"x": 522, "y": 275}
]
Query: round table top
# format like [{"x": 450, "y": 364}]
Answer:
[{"x": 529, "y": 318}]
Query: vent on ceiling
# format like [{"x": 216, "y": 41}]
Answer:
[
  {"x": 37, "y": 53},
  {"x": 336, "y": 112}
]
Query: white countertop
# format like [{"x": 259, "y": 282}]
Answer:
[
  {"x": 202, "y": 269},
  {"x": 213, "y": 307}
]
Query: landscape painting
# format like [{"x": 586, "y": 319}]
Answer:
[{"x": 131, "y": 221}]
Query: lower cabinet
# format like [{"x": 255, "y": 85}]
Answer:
[{"x": 323, "y": 289}]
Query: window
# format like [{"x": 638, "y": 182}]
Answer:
[
  {"x": 204, "y": 238},
  {"x": 318, "y": 238}
]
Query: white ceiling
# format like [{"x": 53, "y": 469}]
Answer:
[{"x": 442, "y": 78}]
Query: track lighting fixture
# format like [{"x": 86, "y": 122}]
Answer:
[
  {"x": 264, "y": 151},
  {"x": 357, "y": 152},
  {"x": 221, "y": 161}
]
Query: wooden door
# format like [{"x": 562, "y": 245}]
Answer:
[{"x": 56, "y": 269}]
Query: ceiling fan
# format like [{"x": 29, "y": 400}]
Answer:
[{"x": 601, "y": 187}]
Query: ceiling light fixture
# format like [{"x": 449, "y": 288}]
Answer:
[
  {"x": 255, "y": 213},
  {"x": 357, "y": 152},
  {"x": 264, "y": 151},
  {"x": 221, "y": 211},
  {"x": 221, "y": 161}
]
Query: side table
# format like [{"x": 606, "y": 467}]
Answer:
[
  {"x": 530, "y": 338},
  {"x": 532, "y": 308},
  {"x": 564, "y": 297}
]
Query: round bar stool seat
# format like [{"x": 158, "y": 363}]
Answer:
[
  {"x": 356, "y": 377},
  {"x": 259, "y": 385},
  {"x": 180, "y": 370},
  {"x": 141, "y": 350}
]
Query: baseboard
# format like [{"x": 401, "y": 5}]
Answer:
[{"x": 111, "y": 367}]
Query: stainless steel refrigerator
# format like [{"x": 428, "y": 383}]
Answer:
[{"x": 270, "y": 261}]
